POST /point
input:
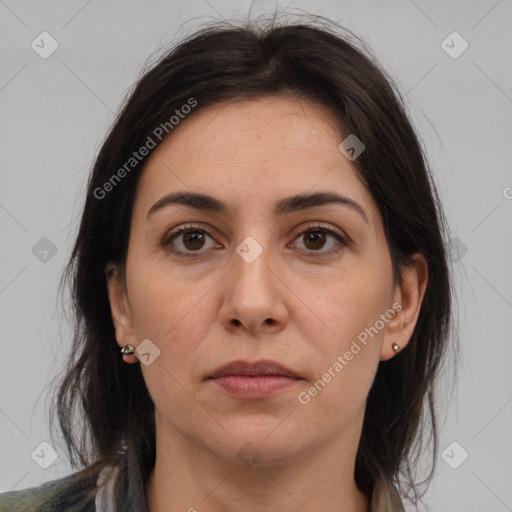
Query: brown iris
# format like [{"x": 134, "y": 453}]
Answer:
[
  {"x": 196, "y": 240},
  {"x": 317, "y": 237}
]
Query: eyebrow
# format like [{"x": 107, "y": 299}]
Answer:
[{"x": 207, "y": 203}]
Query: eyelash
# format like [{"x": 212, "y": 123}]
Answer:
[{"x": 311, "y": 228}]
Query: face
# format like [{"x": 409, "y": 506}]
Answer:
[{"x": 307, "y": 284}]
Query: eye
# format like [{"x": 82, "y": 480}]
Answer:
[
  {"x": 316, "y": 237},
  {"x": 190, "y": 239}
]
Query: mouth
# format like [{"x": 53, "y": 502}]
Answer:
[
  {"x": 262, "y": 368},
  {"x": 258, "y": 380}
]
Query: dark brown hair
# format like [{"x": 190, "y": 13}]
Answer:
[{"x": 316, "y": 60}]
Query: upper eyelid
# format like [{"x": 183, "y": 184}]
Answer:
[
  {"x": 321, "y": 225},
  {"x": 309, "y": 225}
]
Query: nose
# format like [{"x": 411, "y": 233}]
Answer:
[{"x": 253, "y": 292}]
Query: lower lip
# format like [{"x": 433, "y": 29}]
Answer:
[{"x": 243, "y": 386}]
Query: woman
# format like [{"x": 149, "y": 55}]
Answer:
[{"x": 263, "y": 242}]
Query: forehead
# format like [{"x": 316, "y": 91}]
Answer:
[
  {"x": 263, "y": 148},
  {"x": 290, "y": 123}
]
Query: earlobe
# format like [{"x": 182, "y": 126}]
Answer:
[
  {"x": 410, "y": 297},
  {"x": 120, "y": 308}
]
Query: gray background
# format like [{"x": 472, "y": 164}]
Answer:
[{"x": 55, "y": 112}]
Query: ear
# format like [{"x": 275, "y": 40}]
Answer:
[
  {"x": 407, "y": 302},
  {"x": 120, "y": 308}
]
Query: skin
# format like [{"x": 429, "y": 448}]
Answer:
[{"x": 289, "y": 306}]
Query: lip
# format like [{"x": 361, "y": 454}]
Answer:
[
  {"x": 263, "y": 367},
  {"x": 253, "y": 381}
]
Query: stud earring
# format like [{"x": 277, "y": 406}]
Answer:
[
  {"x": 128, "y": 350},
  {"x": 395, "y": 347}
]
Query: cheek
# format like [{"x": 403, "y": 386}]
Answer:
[
  {"x": 346, "y": 346},
  {"x": 158, "y": 297},
  {"x": 343, "y": 307},
  {"x": 345, "y": 356},
  {"x": 175, "y": 314},
  {"x": 338, "y": 397}
]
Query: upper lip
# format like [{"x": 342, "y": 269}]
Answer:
[{"x": 261, "y": 367}]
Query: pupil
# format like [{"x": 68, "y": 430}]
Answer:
[
  {"x": 193, "y": 238},
  {"x": 316, "y": 237}
]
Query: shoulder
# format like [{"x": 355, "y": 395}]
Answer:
[{"x": 75, "y": 492}]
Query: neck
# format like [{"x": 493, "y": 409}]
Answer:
[{"x": 189, "y": 477}]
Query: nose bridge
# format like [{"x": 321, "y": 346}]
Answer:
[
  {"x": 251, "y": 294},
  {"x": 254, "y": 233},
  {"x": 254, "y": 250},
  {"x": 251, "y": 259}
]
